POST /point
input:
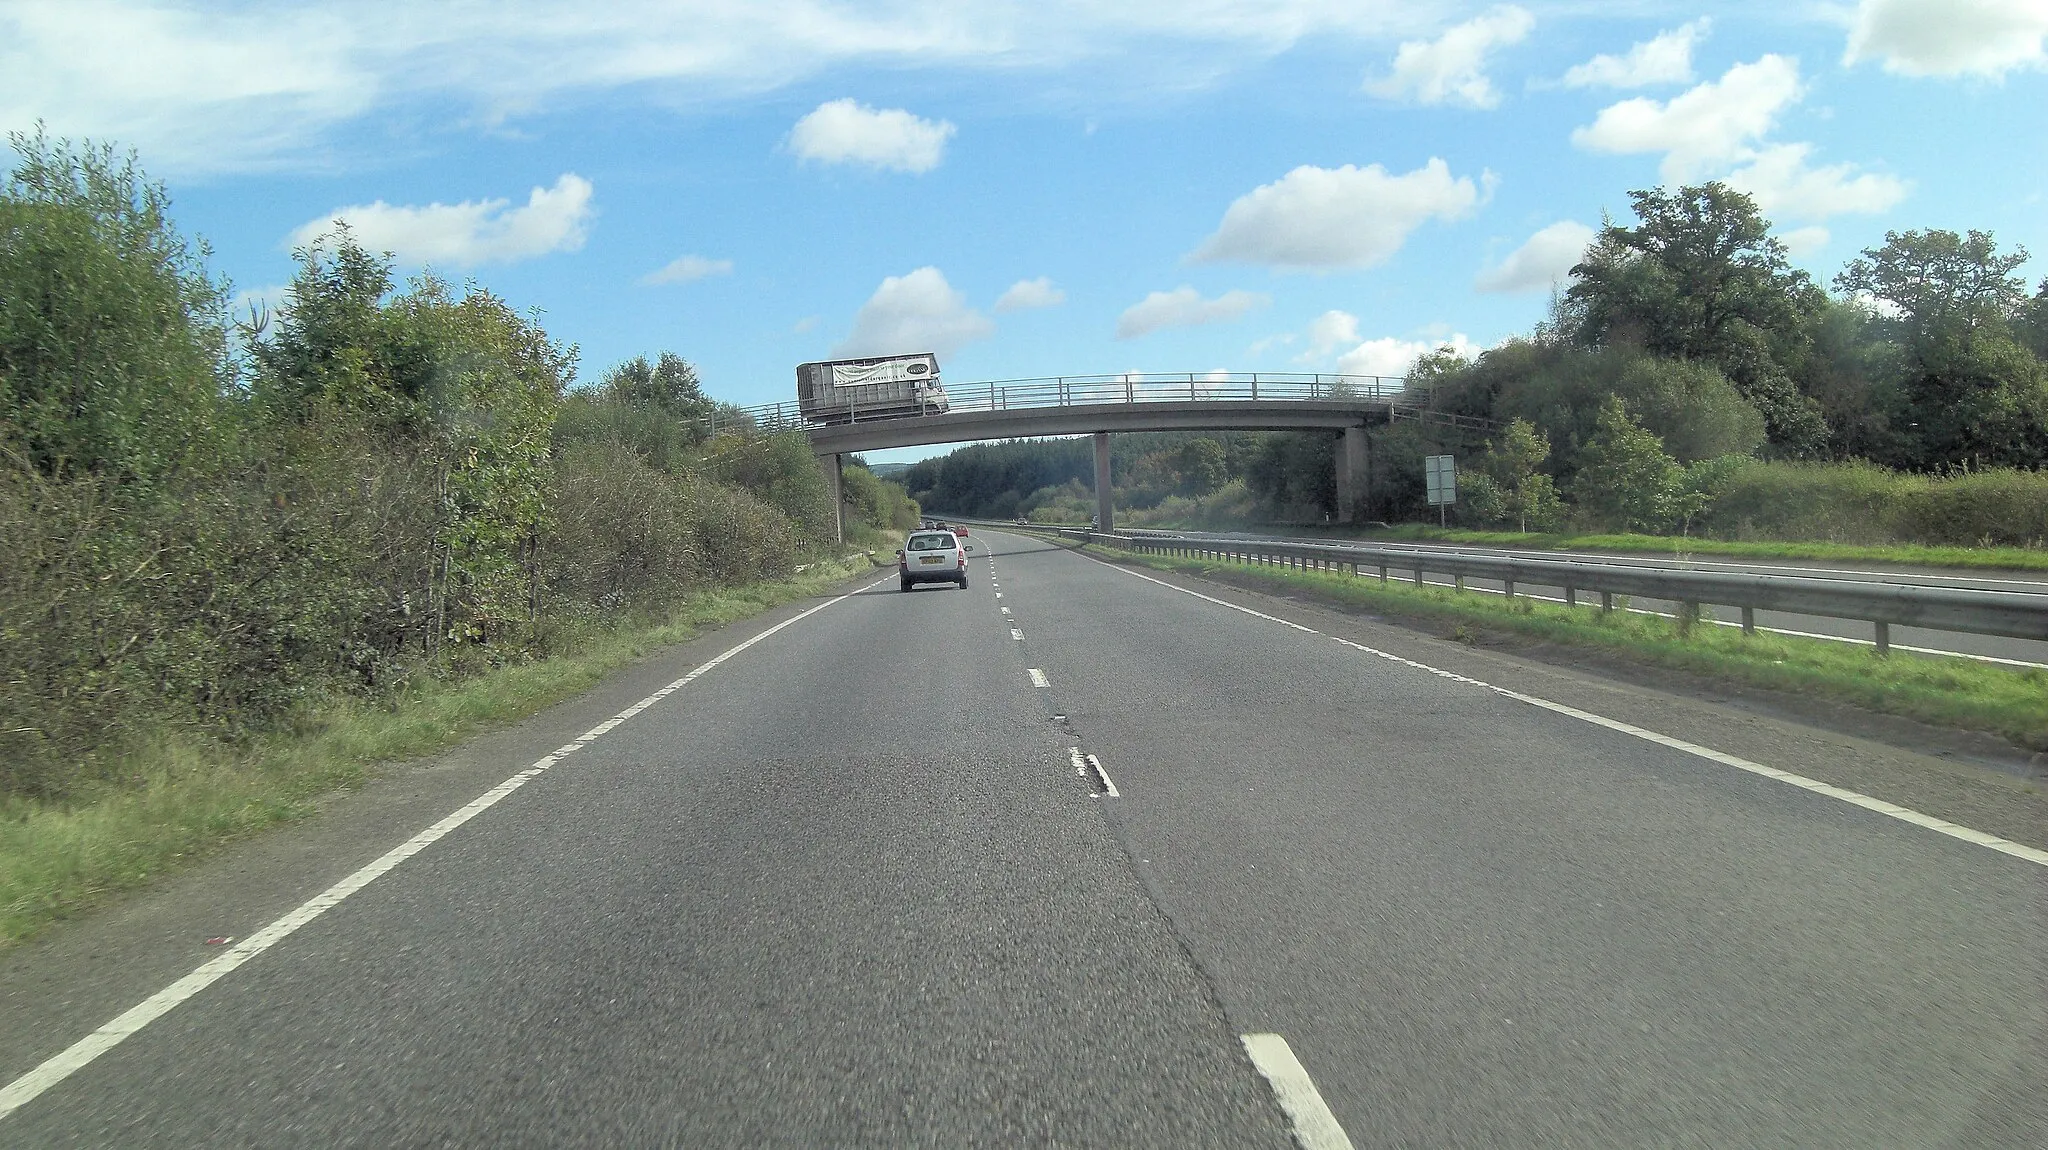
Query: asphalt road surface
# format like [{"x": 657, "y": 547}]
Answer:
[{"x": 852, "y": 886}]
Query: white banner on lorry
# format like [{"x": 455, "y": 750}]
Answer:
[{"x": 897, "y": 369}]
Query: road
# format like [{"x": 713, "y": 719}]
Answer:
[
  {"x": 1991, "y": 648},
  {"x": 846, "y": 885}
]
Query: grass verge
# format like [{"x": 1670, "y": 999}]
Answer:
[
  {"x": 2008, "y": 701},
  {"x": 186, "y": 799},
  {"x": 1975, "y": 558}
]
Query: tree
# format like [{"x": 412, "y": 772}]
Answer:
[
  {"x": 1969, "y": 389},
  {"x": 113, "y": 350},
  {"x": 1700, "y": 277},
  {"x": 1625, "y": 478},
  {"x": 1511, "y": 466}
]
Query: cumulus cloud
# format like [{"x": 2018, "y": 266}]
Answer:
[
  {"x": 1949, "y": 37},
  {"x": 912, "y": 313},
  {"x": 849, "y": 132},
  {"x": 1321, "y": 219},
  {"x": 683, "y": 269},
  {"x": 1331, "y": 330},
  {"x": 1706, "y": 125},
  {"x": 1183, "y": 307},
  {"x": 1027, "y": 294},
  {"x": 1664, "y": 59},
  {"x": 1783, "y": 185},
  {"x": 1804, "y": 241},
  {"x": 469, "y": 233},
  {"x": 1451, "y": 69},
  {"x": 1541, "y": 262},
  {"x": 1393, "y": 357}
]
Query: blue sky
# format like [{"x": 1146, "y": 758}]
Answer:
[{"x": 1036, "y": 188}]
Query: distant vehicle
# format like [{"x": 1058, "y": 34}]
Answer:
[
  {"x": 931, "y": 557},
  {"x": 858, "y": 390}
]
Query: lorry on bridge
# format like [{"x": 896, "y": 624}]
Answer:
[{"x": 879, "y": 387}]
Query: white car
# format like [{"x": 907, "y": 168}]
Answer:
[{"x": 931, "y": 557}]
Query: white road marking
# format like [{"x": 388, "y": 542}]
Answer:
[
  {"x": 1315, "y": 1128},
  {"x": 69, "y": 1061},
  {"x": 1016, "y": 634},
  {"x": 1853, "y": 798},
  {"x": 1037, "y": 677},
  {"x": 1085, "y": 763}
]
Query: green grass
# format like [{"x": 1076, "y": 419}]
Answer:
[
  {"x": 185, "y": 799},
  {"x": 1960, "y": 693},
  {"x": 1982, "y": 558}
]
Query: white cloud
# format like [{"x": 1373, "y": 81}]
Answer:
[
  {"x": 1664, "y": 59},
  {"x": 848, "y": 132},
  {"x": 1784, "y": 186},
  {"x": 1325, "y": 218},
  {"x": 1183, "y": 307},
  {"x": 912, "y": 313},
  {"x": 1804, "y": 241},
  {"x": 469, "y": 233},
  {"x": 201, "y": 85},
  {"x": 1710, "y": 124},
  {"x": 1025, "y": 294},
  {"x": 683, "y": 269},
  {"x": 1331, "y": 330},
  {"x": 1393, "y": 357},
  {"x": 1949, "y": 37},
  {"x": 1451, "y": 69},
  {"x": 1542, "y": 261}
]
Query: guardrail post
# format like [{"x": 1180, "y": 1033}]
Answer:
[
  {"x": 1749, "y": 620},
  {"x": 1884, "y": 640}
]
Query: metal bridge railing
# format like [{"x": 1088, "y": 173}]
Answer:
[{"x": 1399, "y": 399}]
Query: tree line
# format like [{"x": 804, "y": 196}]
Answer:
[
  {"x": 1686, "y": 371},
  {"x": 215, "y": 524}
]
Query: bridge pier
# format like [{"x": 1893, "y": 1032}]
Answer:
[
  {"x": 1354, "y": 475},
  {"x": 835, "y": 482},
  {"x": 1104, "y": 518}
]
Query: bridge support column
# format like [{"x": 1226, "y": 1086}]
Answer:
[
  {"x": 835, "y": 483},
  {"x": 1354, "y": 475},
  {"x": 1104, "y": 521}
]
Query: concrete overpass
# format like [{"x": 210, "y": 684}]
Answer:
[{"x": 1103, "y": 405}]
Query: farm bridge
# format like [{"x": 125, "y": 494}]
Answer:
[{"x": 1100, "y": 405}]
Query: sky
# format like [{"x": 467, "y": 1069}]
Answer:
[{"x": 1035, "y": 187}]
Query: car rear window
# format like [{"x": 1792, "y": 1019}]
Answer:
[{"x": 931, "y": 543}]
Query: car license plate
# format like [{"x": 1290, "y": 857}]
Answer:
[{"x": 932, "y": 559}]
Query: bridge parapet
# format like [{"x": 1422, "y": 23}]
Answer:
[{"x": 1386, "y": 397}]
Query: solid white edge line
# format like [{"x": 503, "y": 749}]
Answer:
[
  {"x": 1315, "y": 1128},
  {"x": 1853, "y": 798},
  {"x": 1108, "y": 787},
  {"x": 1037, "y": 677},
  {"x": 75, "y": 1057}
]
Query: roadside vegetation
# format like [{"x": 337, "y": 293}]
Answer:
[
  {"x": 246, "y": 556},
  {"x": 1689, "y": 382},
  {"x": 2011, "y": 702}
]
